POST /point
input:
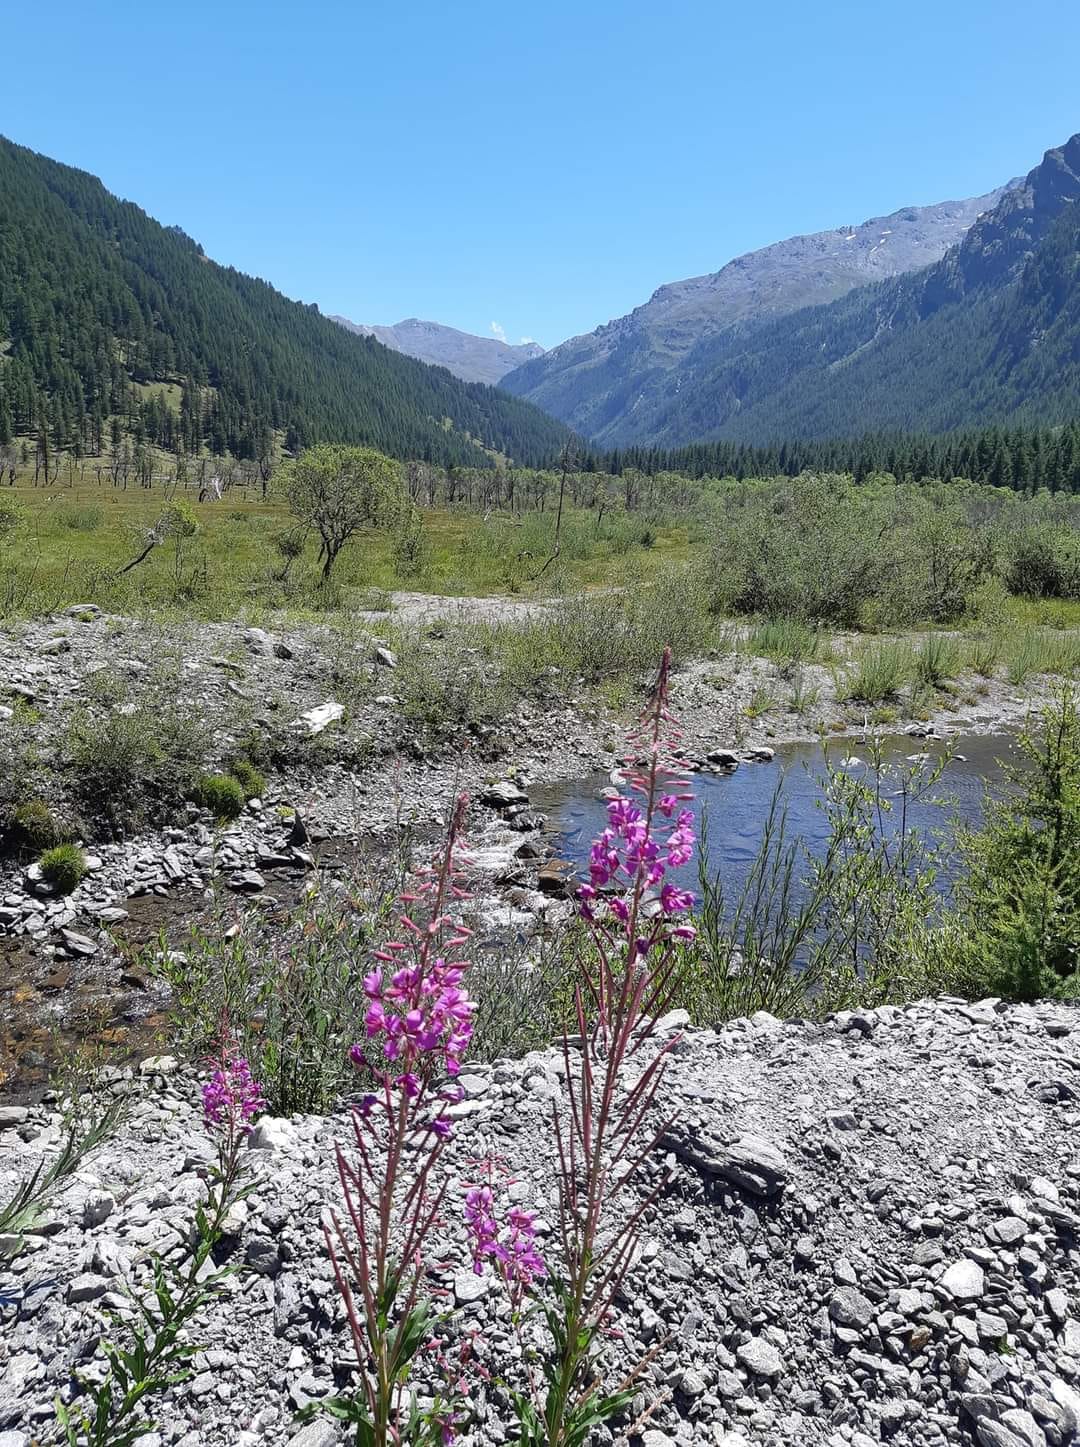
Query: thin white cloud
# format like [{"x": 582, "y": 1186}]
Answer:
[
  {"x": 498, "y": 331},
  {"x": 526, "y": 341}
]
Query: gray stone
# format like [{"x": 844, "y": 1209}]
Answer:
[
  {"x": 263, "y": 1256},
  {"x": 12, "y": 1115},
  {"x": 319, "y": 1433},
  {"x": 86, "y": 1287},
  {"x": 77, "y": 944},
  {"x": 848, "y": 1307},
  {"x": 964, "y": 1281},
  {"x": 1008, "y": 1231},
  {"x": 97, "y": 1207},
  {"x": 760, "y": 1357},
  {"x": 272, "y": 1133},
  {"x": 469, "y": 1287},
  {"x": 503, "y": 794}
]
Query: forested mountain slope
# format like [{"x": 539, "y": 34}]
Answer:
[
  {"x": 111, "y": 322},
  {"x": 604, "y": 383}
]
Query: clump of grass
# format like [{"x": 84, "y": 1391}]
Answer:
[
  {"x": 80, "y": 519},
  {"x": 248, "y": 777},
  {"x": 223, "y": 795},
  {"x": 879, "y": 672},
  {"x": 984, "y": 655},
  {"x": 35, "y": 826},
  {"x": 937, "y": 659},
  {"x": 63, "y": 867},
  {"x": 804, "y": 696},
  {"x": 1065, "y": 650},
  {"x": 787, "y": 641},
  {"x": 761, "y": 701},
  {"x": 1029, "y": 653}
]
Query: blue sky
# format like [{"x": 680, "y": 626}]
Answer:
[{"x": 539, "y": 168}]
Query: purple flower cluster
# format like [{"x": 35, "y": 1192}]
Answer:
[
  {"x": 232, "y": 1096},
  {"x": 632, "y": 852},
  {"x": 513, "y": 1248},
  {"x": 420, "y": 1013}
]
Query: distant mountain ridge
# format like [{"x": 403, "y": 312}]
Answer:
[
  {"x": 472, "y": 358},
  {"x": 602, "y": 383},
  {"x": 989, "y": 335}
]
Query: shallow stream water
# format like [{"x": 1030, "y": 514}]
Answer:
[{"x": 737, "y": 805}]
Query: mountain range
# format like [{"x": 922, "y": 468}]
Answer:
[
  {"x": 961, "y": 315},
  {"x": 113, "y": 325},
  {"x": 929, "y": 319},
  {"x": 472, "y": 358}
]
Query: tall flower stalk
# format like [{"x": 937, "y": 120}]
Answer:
[
  {"x": 418, "y": 1027},
  {"x": 158, "y": 1352},
  {"x": 636, "y": 919}
]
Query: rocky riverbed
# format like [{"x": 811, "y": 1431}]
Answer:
[
  {"x": 353, "y": 761},
  {"x": 871, "y": 1233}
]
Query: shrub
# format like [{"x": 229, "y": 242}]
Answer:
[
  {"x": 1018, "y": 897},
  {"x": 134, "y": 757},
  {"x": 293, "y": 994},
  {"x": 1044, "y": 560},
  {"x": 35, "y": 826},
  {"x": 223, "y": 795},
  {"x": 248, "y": 777},
  {"x": 857, "y": 921},
  {"x": 63, "y": 866}
]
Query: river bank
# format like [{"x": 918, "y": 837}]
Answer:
[{"x": 374, "y": 769}]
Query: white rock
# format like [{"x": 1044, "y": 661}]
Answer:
[
  {"x": 317, "y": 719},
  {"x": 760, "y": 1357},
  {"x": 273, "y": 1133},
  {"x": 158, "y": 1065},
  {"x": 964, "y": 1281}
]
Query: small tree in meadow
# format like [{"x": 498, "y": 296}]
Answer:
[{"x": 339, "y": 490}]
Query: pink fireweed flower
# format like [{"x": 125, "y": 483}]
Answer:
[
  {"x": 675, "y": 901},
  {"x": 480, "y": 1225},
  {"x": 419, "y": 1011},
  {"x": 513, "y": 1248},
  {"x": 232, "y": 1096},
  {"x": 643, "y": 840}
]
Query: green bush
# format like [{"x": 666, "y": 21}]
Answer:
[
  {"x": 35, "y": 827},
  {"x": 1018, "y": 893},
  {"x": 63, "y": 866},
  {"x": 248, "y": 777},
  {"x": 1044, "y": 560},
  {"x": 134, "y": 756},
  {"x": 223, "y": 795},
  {"x": 824, "y": 549}
]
